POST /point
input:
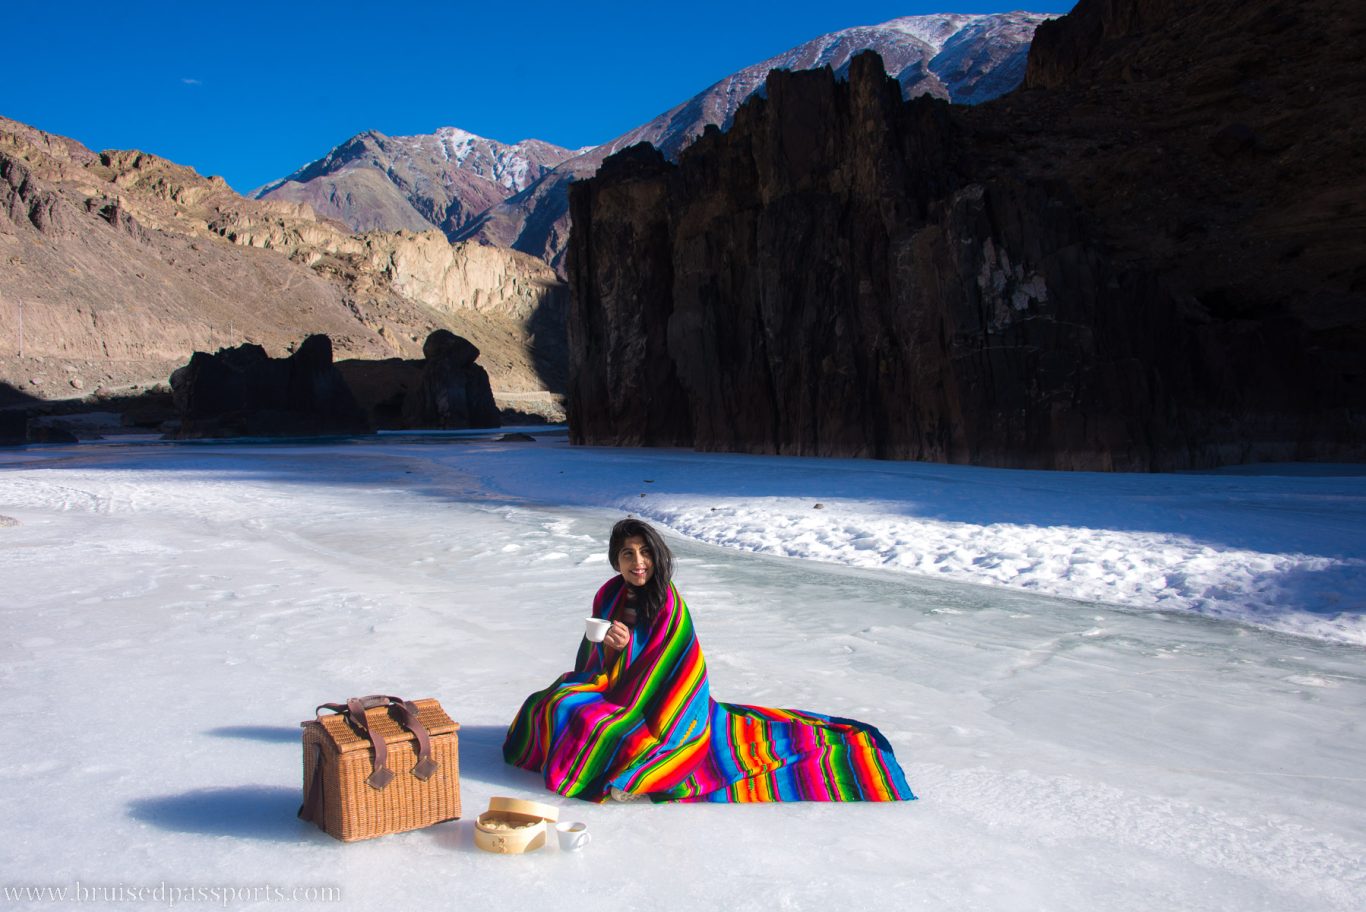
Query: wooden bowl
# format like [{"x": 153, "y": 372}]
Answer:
[{"x": 512, "y": 826}]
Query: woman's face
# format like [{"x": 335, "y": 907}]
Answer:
[{"x": 635, "y": 562}]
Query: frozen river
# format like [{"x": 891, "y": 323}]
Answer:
[{"x": 172, "y": 612}]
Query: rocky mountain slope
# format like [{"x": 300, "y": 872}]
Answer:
[
  {"x": 961, "y": 58},
  {"x": 374, "y": 182},
  {"x": 413, "y": 183},
  {"x": 118, "y": 265},
  {"x": 1148, "y": 258}
]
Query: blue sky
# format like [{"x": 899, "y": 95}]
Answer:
[{"x": 252, "y": 90}]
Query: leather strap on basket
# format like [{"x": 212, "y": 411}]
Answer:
[
  {"x": 380, "y": 775},
  {"x": 426, "y": 764},
  {"x": 312, "y": 809}
]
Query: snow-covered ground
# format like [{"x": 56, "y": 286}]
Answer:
[{"x": 1155, "y": 703}]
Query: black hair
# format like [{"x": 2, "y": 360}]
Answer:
[{"x": 655, "y": 592}]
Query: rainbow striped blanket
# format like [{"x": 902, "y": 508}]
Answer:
[{"x": 647, "y": 724}]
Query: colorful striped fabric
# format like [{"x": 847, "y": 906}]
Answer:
[{"x": 648, "y": 725}]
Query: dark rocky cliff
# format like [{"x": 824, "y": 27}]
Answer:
[{"x": 1127, "y": 265}]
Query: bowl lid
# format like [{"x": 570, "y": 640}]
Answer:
[{"x": 522, "y": 806}]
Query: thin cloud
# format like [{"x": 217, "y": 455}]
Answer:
[{"x": 190, "y": 82}]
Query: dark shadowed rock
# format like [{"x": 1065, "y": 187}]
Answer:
[
  {"x": 624, "y": 384},
  {"x": 13, "y": 427},
  {"x": 243, "y": 392},
  {"x": 1091, "y": 274},
  {"x": 453, "y": 392},
  {"x": 1091, "y": 36},
  {"x": 147, "y": 410},
  {"x": 382, "y": 388},
  {"x": 1233, "y": 139},
  {"x": 45, "y": 433},
  {"x": 444, "y": 345},
  {"x": 444, "y": 390}
]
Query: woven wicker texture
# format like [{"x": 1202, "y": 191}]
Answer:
[{"x": 351, "y": 809}]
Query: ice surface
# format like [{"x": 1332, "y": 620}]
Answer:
[
  {"x": 172, "y": 612},
  {"x": 1285, "y": 549}
]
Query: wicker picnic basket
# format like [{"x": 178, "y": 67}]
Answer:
[{"x": 380, "y": 764}]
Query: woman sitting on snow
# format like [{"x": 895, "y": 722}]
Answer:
[{"x": 635, "y": 717}]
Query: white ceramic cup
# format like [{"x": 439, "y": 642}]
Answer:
[
  {"x": 573, "y": 835},
  {"x": 595, "y": 629}
]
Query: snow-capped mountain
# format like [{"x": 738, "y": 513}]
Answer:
[
  {"x": 517, "y": 195},
  {"x": 962, "y": 58},
  {"x": 986, "y": 57},
  {"x": 513, "y": 166},
  {"x": 441, "y": 180}
]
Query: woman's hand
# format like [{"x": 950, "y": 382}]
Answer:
[{"x": 618, "y": 635}]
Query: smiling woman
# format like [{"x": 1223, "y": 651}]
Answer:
[
  {"x": 633, "y": 560},
  {"x": 643, "y": 559},
  {"x": 635, "y": 717}
]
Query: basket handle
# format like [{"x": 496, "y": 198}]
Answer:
[
  {"x": 426, "y": 764},
  {"x": 380, "y": 775}
]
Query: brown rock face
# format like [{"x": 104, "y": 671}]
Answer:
[
  {"x": 843, "y": 273},
  {"x": 387, "y": 183},
  {"x": 119, "y": 266}
]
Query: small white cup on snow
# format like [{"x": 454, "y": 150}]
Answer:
[{"x": 573, "y": 835}]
